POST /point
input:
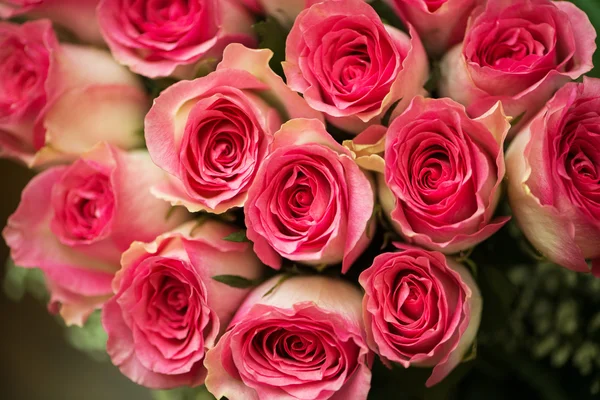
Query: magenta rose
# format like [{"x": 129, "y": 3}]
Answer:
[
  {"x": 164, "y": 38},
  {"x": 351, "y": 66},
  {"x": 553, "y": 167},
  {"x": 303, "y": 341},
  {"x": 443, "y": 174},
  {"x": 310, "y": 202},
  {"x": 78, "y": 16},
  {"x": 74, "y": 222},
  {"x": 420, "y": 309},
  {"x": 518, "y": 52},
  {"x": 168, "y": 310},
  {"x": 59, "y": 100},
  {"x": 212, "y": 134},
  {"x": 440, "y": 23}
]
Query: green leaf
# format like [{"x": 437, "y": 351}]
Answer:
[
  {"x": 91, "y": 338},
  {"x": 185, "y": 393},
  {"x": 18, "y": 281},
  {"x": 235, "y": 281},
  {"x": 238, "y": 237},
  {"x": 272, "y": 35}
]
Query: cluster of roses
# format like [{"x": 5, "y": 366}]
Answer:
[{"x": 112, "y": 227}]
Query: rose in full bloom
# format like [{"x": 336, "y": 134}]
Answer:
[
  {"x": 78, "y": 16},
  {"x": 310, "y": 202},
  {"x": 440, "y": 23},
  {"x": 303, "y": 341},
  {"x": 212, "y": 134},
  {"x": 420, "y": 309},
  {"x": 518, "y": 52},
  {"x": 168, "y": 310},
  {"x": 553, "y": 169},
  {"x": 443, "y": 174},
  {"x": 59, "y": 100},
  {"x": 172, "y": 38},
  {"x": 73, "y": 222},
  {"x": 351, "y": 66}
]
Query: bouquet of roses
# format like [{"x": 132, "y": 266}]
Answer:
[{"x": 280, "y": 199}]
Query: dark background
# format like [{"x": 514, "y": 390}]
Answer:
[{"x": 36, "y": 361}]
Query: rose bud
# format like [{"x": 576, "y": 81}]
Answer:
[
  {"x": 168, "y": 310},
  {"x": 440, "y": 23},
  {"x": 300, "y": 338},
  {"x": 172, "y": 38},
  {"x": 59, "y": 100},
  {"x": 74, "y": 222},
  {"x": 518, "y": 52},
  {"x": 351, "y": 66},
  {"x": 420, "y": 309},
  {"x": 310, "y": 202},
  {"x": 77, "y": 16},
  {"x": 212, "y": 134},
  {"x": 443, "y": 174},
  {"x": 553, "y": 169}
]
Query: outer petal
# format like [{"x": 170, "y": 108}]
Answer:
[
  {"x": 367, "y": 148},
  {"x": 256, "y": 62}
]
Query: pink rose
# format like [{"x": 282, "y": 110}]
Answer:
[
  {"x": 553, "y": 167},
  {"x": 310, "y": 202},
  {"x": 74, "y": 222},
  {"x": 443, "y": 172},
  {"x": 168, "y": 310},
  {"x": 420, "y": 309},
  {"x": 158, "y": 39},
  {"x": 78, "y": 16},
  {"x": 351, "y": 66},
  {"x": 59, "y": 100},
  {"x": 440, "y": 23},
  {"x": 518, "y": 52},
  {"x": 303, "y": 341},
  {"x": 213, "y": 133}
]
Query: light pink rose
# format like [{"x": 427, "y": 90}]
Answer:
[
  {"x": 59, "y": 100},
  {"x": 168, "y": 310},
  {"x": 303, "y": 341},
  {"x": 351, "y": 66},
  {"x": 420, "y": 309},
  {"x": 553, "y": 169},
  {"x": 440, "y": 23},
  {"x": 78, "y": 16},
  {"x": 443, "y": 174},
  {"x": 310, "y": 202},
  {"x": 212, "y": 134},
  {"x": 74, "y": 222},
  {"x": 518, "y": 52},
  {"x": 172, "y": 38}
]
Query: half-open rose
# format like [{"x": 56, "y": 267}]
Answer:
[
  {"x": 518, "y": 52},
  {"x": 59, "y": 100},
  {"x": 213, "y": 133},
  {"x": 351, "y": 66},
  {"x": 553, "y": 168},
  {"x": 168, "y": 310},
  {"x": 163, "y": 38},
  {"x": 310, "y": 202},
  {"x": 74, "y": 222},
  {"x": 443, "y": 174},
  {"x": 420, "y": 309},
  {"x": 303, "y": 341}
]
